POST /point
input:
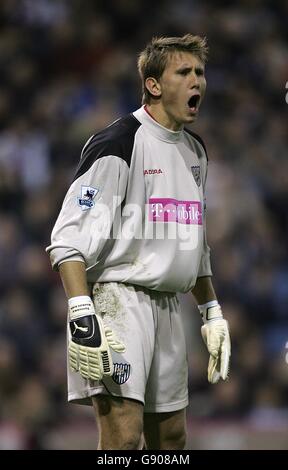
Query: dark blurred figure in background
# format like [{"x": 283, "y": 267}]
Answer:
[{"x": 57, "y": 88}]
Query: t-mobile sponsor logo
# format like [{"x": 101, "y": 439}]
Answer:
[{"x": 172, "y": 210}]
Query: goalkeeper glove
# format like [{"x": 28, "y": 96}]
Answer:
[
  {"x": 215, "y": 334},
  {"x": 88, "y": 348}
]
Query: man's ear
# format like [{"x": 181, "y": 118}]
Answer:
[{"x": 153, "y": 87}]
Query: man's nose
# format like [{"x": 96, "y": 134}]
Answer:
[{"x": 195, "y": 83}]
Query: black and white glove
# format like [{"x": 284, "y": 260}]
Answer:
[
  {"x": 90, "y": 343},
  {"x": 215, "y": 333}
]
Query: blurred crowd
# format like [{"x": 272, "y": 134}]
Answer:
[{"x": 68, "y": 69}]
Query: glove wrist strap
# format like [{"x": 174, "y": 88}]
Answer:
[
  {"x": 210, "y": 311},
  {"x": 80, "y": 306}
]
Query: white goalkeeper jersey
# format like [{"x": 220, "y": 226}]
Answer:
[{"x": 135, "y": 210}]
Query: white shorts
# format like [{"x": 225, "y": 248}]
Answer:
[{"x": 153, "y": 369}]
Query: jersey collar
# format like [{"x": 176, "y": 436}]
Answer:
[{"x": 155, "y": 128}]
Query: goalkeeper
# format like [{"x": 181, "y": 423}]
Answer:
[{"x": 130, "y": 235}]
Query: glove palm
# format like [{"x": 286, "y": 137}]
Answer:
[
  {"x": 215, "y": 333},
  {"x": 90, "y": 342}
]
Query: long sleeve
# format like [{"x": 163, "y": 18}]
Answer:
[
  {"x": 205, "y": 264},
  {"x": 89, "y": 208}
]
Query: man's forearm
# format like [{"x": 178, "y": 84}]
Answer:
[
  {"x": 203, "y": 290},
  {"x": 73, "y": 276}
]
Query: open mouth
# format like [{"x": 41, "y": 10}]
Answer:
[{"x": 194, "y": 102}]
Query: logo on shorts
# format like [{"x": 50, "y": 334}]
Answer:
[
  {"x": 121, "y": 373},
  {"x": 87, "y": 195},
  {"x": 196, "y": 173}
]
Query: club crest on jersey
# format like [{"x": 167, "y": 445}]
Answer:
[
  {"x": 121, "y": 373},
  {"x": 87, "y": 195},
  {"x": 196, "y": 173}
]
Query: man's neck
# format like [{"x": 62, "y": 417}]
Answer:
[{"x": 157, "y": 112}]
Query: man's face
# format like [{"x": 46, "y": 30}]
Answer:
[{"x": 183, "y": 86}]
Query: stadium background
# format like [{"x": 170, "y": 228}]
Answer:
[{"x": 68, "y": 68}]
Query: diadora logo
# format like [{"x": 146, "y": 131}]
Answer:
[
  {"x": 87, "y": 195},
  {"x": 154, "y": 171}
]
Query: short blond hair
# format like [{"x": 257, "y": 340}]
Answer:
[{"x": 153, "y": 59}]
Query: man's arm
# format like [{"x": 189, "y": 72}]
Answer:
[
  {"x": 73, "y": 276},
  {"x": 203, "y": 290},
  {"x": 84, "y": 224},
  {"x": 215, "y": 330},
  {"x": 78, "y": 237}
]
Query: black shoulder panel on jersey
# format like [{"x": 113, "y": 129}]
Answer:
[
  {"x": 116, "y": 139},
  {"x": 197, "y": 137}
]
